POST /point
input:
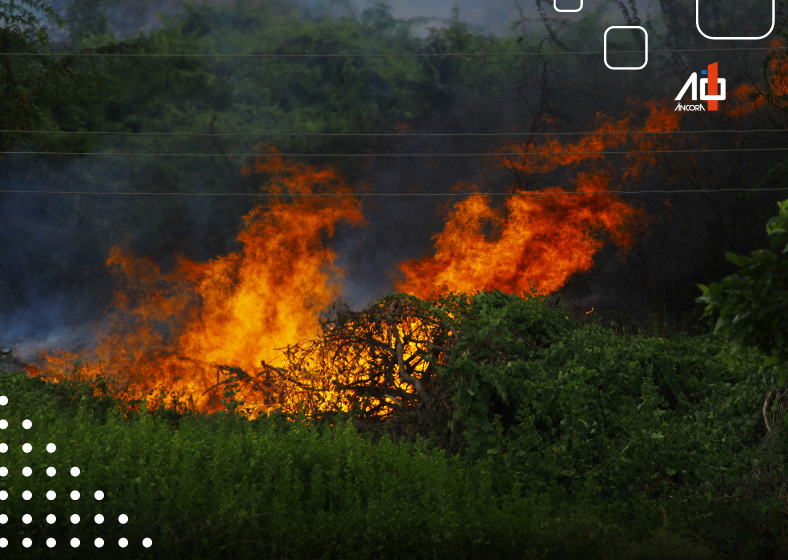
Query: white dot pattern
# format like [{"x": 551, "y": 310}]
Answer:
[{"x": 51, "y": 471}]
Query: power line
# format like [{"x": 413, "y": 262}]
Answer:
[
  {"x": 254, "y": 134},
  {"x": 381, "y": 55},
  {"x": 530, "y": 193},
  {"x": 126, "y": 154}
]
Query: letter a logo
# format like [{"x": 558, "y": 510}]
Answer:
[{"x": 712, "y": 89}]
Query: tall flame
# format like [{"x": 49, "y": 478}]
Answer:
[
  {"x": 549, "y": 235},
  {"x": 172, "y": 329}
]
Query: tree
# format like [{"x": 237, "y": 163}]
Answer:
[
  {"x": 753, "y": 304},
  {"x": 22, "y": 30},
  {"x": 86, "y": 18}
]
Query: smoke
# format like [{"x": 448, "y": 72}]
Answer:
[{"x": 55, "y": 290}]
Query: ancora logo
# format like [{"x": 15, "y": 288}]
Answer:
[
  {"x": 712, "y": 83},
  {"x": 697, "y": 107}
]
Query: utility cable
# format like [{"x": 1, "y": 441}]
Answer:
[
  {"x": 253, "y": 134},
  {"x": 530, "y": 193},
  {"x": 127, "y": 154},
  {"x": 381, "y": 55}
]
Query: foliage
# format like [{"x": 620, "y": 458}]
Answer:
[
  {"x": 87, "y": 18},
  {"x": 632, "y": 422},
  {"x": 753, "y": 303},
  {"x": 21, "y": 31},
  {"x": 254, "y": 488},
  {"x": 566, "y": 430}
]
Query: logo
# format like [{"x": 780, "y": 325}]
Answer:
[{"x": 712, "y": 90}]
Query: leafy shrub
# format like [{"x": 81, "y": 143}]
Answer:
[
  {"x": 753, "y": 304},
  {"x": 596, "y": 417}
]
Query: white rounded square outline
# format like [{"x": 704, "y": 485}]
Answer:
[
  {"x": 697, "y": 25},
  {"x": 604, "y": 47},
  {"x": 565, "y": 11}
]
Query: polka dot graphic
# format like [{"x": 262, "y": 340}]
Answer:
[{"x": 50, "y": 495}]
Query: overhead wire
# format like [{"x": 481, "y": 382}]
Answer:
[
  {"x": 257, "y": 134},
  {"x": 365, "y": 194},
  {"x": 496, "y": 154},
  {"x": 378, "y": 55}
]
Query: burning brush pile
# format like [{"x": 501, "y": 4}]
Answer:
[{"x": 385, "y": 363}]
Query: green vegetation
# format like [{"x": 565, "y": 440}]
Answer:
[
  {"x": 579, "y": 442},
  {"x": 753, "y": 304}
]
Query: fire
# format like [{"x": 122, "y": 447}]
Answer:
[
  {"x": 171, "y": 329},
  {"x": 747, "y": 98},
  {"x": 537, "y": 237},
  {"x": 180, "y": 328}
]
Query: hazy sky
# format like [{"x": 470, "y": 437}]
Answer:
[{"x": 496, "y": 15}]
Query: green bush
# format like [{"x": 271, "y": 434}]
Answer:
[
  {"x": 632, "y": 422},
  {"x": 753, "y": 304}
]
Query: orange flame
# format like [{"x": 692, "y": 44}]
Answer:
[
  {"x": 536, "y": 237},
  {"x": 171, "y": 329},
  {"x": 747, "y": 98}
]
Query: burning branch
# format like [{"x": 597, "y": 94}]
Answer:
[{"x": 384, "y": 362}]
